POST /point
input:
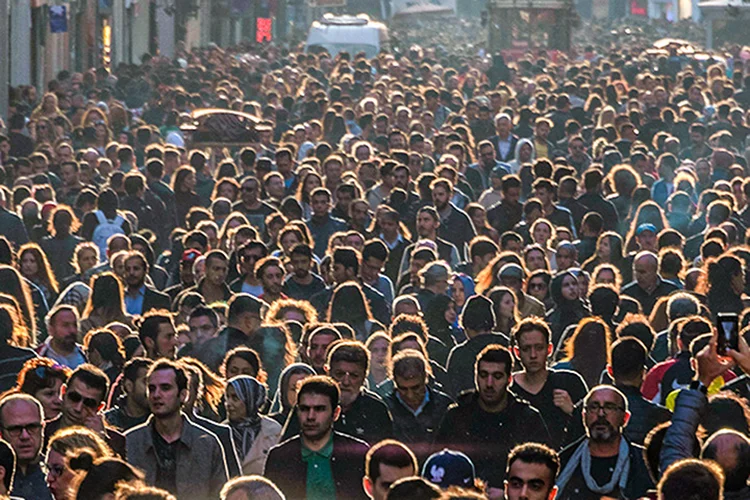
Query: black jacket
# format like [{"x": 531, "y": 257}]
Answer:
[
  {"x": 287, "y": 470},
  {"x": 418, "y": 431},
  {"x": 154, "y": 299},
  {"x": 644, "y": 415},
  {"x": 460, "y": 365},
  {"x": 488, "y": 438}
]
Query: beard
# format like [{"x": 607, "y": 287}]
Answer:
[{"x": 602, "y": 432}]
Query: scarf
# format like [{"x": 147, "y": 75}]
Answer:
[
  {"x": 253, "y": 394},
  {"x": 582, "y": 457}
]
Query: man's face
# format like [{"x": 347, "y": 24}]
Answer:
[
  {"x": 487, "y": 155},
  {"x": 249, "y": 258},
  {"x": 135, "y": 272},
  {"x": 542, "y": 130},
  {"x": 316, "y": 416},
  {"x": 529, "y": 481},
  {"x": 426, "y": 225},
  {"x": 503, "y": 127},
  {"x": 524, "y": 154},
  {"x": 164, "y": 398},
  {"x": 565, "y": 259},
  {"x": 275, "y": 187},
  {"x": 272, "y": 280},
  {"x": 284, "y": 164},
  {"x": 604, "y": 416},
  {"x": 249, "y": 192},
  {"x": 350, "y": 377},
  {"x": 64, "y": 328},
  {"x": 216, "y": 271},
  {"x": 544, "y": 195},
  {"x": 137, "y": 389},
  {"x": 69, "y": 175},
  {"x": 23, "y": 429},
  {"x": 512, "y": 195},
  {"x": 645, "y": 272},
  {"x": 401, "y": 178},
  {"x": 647, "y": 241},
  {"x": 340, "y": 273},
  {"x": 533, "y": 350},
  {"x": 320, "y": 205},
  {"x": 576, "y": 148},
  {"x": 201, "y": 329},
  {"x": 389, "y": 474},
  {"x": 166, "y": 341},
  {"x": 411, "y": 390},
  {"x": 697, "y": 138},
  {"x": 360, "y": 211},
  {"x": 333, "y": 171},
  {"x": 492, "y": 382},
  {"x": 301, "y": 265},
  {"x": 370, "y": 269},
  {"x": 80, "y": 402},
  {"x": 316, "y": 351}
]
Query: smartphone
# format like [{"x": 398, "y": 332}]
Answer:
[{"x": 728, "y": 326}]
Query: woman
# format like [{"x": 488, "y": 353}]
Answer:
[
  {"x": 311, "y": 181},
  {"x": 569, "y": 308},
  {"x": 377, "y": 345},
  {"x": 478, "y": 216},
  {"x": 253, "y": 434},
  {"x": 537, "y": 285},
  {"x": 243, "y": 361},
  {"x": 609, "y": 250},
  {"x": 286, "y": 392},
  {"x": 543, "y": 234},
  {"x": 227, "y": 188},
  {"x": 440, "y": 315},
  {"x": 535, "y": 257},
  {"x": 104, "y": 350},
  {"x": 61, "y": 244},
  {"x": 42, "y": 379},
  {"x": 586, "y": 351},
  {"x": 48, "y": 108},
  {"x": 14, "y": 342},
  {"x": 724, "y": 285},
  {"x": 348, "y": 305},
  {"x": 504, "y": 304},
  {"x": 34, "y": 266},
  {"x": 462, "y": 287},
  {"x": 12, "y": 284},
  {"x": 64, "y": 444},
  {"x": 100, "y": 478},
  {"x": 607, "y": 274},
  {"x": 106, "y": 304},
  {"x": 185, "y": 196}
]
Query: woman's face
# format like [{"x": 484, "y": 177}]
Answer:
[
  {"x": 58, "y": 476},
  {"x": 50, "y": 399},
  {"x": 311, "y": 182},
  {"x": 507, "y": 306},
  {"x": 236, "y": 410},
  {"x": 379, "y": 352},
  {"x": 479, "y": 218},
  {"x": 238, "y": 366},
  {"x": 458, "y": 292},
  {"x": 190, "y": 181},
  {"x": 288, "y": 242},
  {"x": 29, "y": 266},
  {"x": 86, "y": 260},
  {"x": 535, "y": 260},
  {"x": 450, "y": 313},
  {"x": 538, "y": 288},
  {"x": 291, "y": 390},
  {"x": 606, "y": 277},
  {"x": 542, "y": 234},
  {"x": 569, "y": 288},
  {"x": 605, "y": 249}
]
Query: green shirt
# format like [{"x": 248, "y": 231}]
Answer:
[{"x": 320, "y": 484}]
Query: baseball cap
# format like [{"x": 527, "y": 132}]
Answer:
[
  {"x": 189, "y": 256},
  {"x": 511, "y": 270},
  {"x": 500, "y": 170},
  {"x": 449, "y": 468},
  {"x": 645, "y": 227}
]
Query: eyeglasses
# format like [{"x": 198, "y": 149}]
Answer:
[
  {"x": 15, "y": 431},
  {"x": 608, "y": 408},
  {"x": 53, "y": 470},
  {"x": 76, "y": 398}
]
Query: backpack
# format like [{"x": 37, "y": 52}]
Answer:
[{"x": 104, "y": 230}]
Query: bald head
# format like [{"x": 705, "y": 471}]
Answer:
[
  {"x": 731, "y": 450},
  {"x": 645, "y": 268}
]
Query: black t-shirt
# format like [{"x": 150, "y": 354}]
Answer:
[
  {"x": 166, "y": 463},
  {"x": 557, "y": 420},
  {"x": 601, "y": 471},
  {"x": 294, "y": 290}
]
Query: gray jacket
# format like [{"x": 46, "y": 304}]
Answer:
[{"x": 201, "y": 468}]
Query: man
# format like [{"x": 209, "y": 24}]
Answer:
[
  {"x": 374, "y": 257},
  {"x": 698, "y": 147},
  {"x": 627, "y": 366},
  {"x": 213, "y": 286},
  {"x": 270, "y": 271},
  {"x": 648, "y": 286},
  {"x": 434, "y": 280},
  {"x": 150, "y": 215},
  {"x": 319, "y": 462},
  {"x": 317, "y": 346},
  {"x": 175, "y": 454},
  {"x": 481, "y": 251},
  {"x": 478, "y": 321},
  {"x": 11, "y": 225},
  {"x": 544, "y": 191},
  {"x": 505, "y": 215},
  {"x": 428, "y": 225},
  {"x": 490, "y": 421},
  {"x": 577, "y": 156},
  {"x": 503, "y": 140},
  {"x": 363, "y": 413},
  {"x": 204, "y": 324},
  {"x": 302, "y": 283},
  {"x": 593, "y": 200},
  {"x": 514, "y": 277},
  {"x": 531, "y": 473},
  {"x": 455, "y": 225},
  {"x": 158, "y": 335},
  {"x": 251, "y": 206},
  {"x": 139, "y": 298},
  {"x": 603, "y": 463},
  {"x": 62, "y": 331},
  {"x": 488, "y": 166},
  {"x": 83, "y": 399},
  {"x": 567, "y": 189},
  {"x": 248, "y": 255},
  {"x": 543, "y": 147},
  {"x": 385, "y": 463},
  {"x": 70, "y": 172},
  {"x": 717, "y": 213},
  {"x": 555, "y": 393},
  {"x": 493, "y": 195},
  {"x": 7, "y": 469},
  {"x": 591, "y": 228},
  {"x": 155, "y": 171},
  {"x": 286, "y": 165},
  {"x": 131, "y": 409},
  {"x": 691, "y": 478},
  {"x": 416, "y": 408},
  {"x": 22, "y": 426},
  {"x": 322, "y": 224}
]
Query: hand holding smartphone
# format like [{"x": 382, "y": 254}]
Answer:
[{"x": 728, "y": 326}]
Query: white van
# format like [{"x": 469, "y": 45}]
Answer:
[{"x": 352, "y": 34}]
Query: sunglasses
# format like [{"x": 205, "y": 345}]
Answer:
[{"x": 76, "y": 398}]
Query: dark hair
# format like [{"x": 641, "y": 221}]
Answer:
[
  {"x": 494, "y": 353},
  {"x": 101, "y": 475},
  {"x": 413, "y": 488},
  {"x": 108, "y": 345},
  {"x": 246, "y": 354},
  {"x": 349, "y": 305},
  {"x": 375, "y": 248},
  {"x": 7, "y": 462},
  {"x": 347, "y": 257},
  {"x": 735, "y": 477},
  {"x": 628, "y": 358},
  {"x": 322, "y": 385},
  {"x": 132, "y": 367},
  {"x": 181, "y": 376},
  {"x": 531, "y": 324},
  {"x": 201, "y": 311},
  {"x": 351, "y": 351},
  {"x": 149, "y": 325},
  {"x": 92, "y": 377},
  {"x": 302, "y": 249},
  {"x": 535, "y": 453},
  {"x": 242, "y": 303},
  {"x": 40, "y": 373},
  {"x": 692, "y": 479},
  {"x": 388, "y": 452}
]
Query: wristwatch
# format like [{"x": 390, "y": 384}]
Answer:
[{"x": 697, "y": 385}]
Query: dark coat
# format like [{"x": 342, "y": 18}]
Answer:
[
  {"x": 154, "y": 299},
  {"x": 287, "y": 470}
]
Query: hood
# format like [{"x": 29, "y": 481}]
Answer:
[{"x": 520, "y": 143}]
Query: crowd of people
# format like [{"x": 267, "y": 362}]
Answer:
[{"x": 434, "y": 275}]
